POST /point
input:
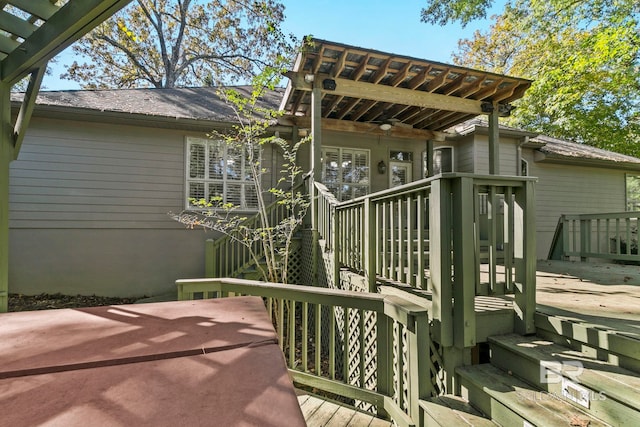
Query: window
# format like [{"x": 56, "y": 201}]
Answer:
[
  {"x": 633, "y": 192},
  {"x": 524, "y": 168},
  {"x": 345, "y": 172},
  {"x": 442, "y": 160},
  {"x": 214, "y": 169},
  {"x": 401, "y": 156}
]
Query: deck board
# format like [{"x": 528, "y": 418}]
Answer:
[{"x": 323, "y": 413}]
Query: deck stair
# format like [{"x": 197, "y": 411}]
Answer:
[
  {"x": 531, "y": 381},
  {"x": 449, "y": 410},
  {"x": 613, "y": 340}
]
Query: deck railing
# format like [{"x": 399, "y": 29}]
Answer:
[
  {"x": 441, "y": 230},
  {"x": 318, "y": 328},
  {"x": 612, "y": 236},
  {"x": 227, "y": 257}
]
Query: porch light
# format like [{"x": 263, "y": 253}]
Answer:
[
  {"x": 329, "y": 84},
  {"x": 385, "y": 126},
  {"x": 382, "y": 167}
]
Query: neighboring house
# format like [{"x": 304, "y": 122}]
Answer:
[{"x": 100, "y": 170}]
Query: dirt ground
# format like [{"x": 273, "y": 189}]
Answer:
[{"x": 591, "y": 288}]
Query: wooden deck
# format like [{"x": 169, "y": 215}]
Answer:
[{"x": 319, "y": 413}]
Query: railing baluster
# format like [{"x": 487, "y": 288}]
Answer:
[
  {"x": 410, "y": 278},
  {"x": 318, "y": 338},
  {"x": 291, "y": 319},
  {"x": 280, "y": 323},
  {"x": 305, "y": 336},
  {"x": 332, "y": 342},
  {"x": 346, "y": 345},
  {"x": 420, "y": 235},
  {"x": 508, "y": 240}
]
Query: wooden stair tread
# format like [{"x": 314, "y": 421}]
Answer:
[
  {"x": 591, "y": 334},
  {"x": 618, "y": 383},
  {"x": 451, "y": 410},
  {"x": 537, "y": 407}
]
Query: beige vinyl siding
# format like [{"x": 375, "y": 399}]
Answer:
[
  {"x": 464, "y": 152},
  {"x": 88, "y": 210},
  {"x": 508, "y": 156},
  {"x": 570, "y": 189},
  {"x": 76, "y": 175}
]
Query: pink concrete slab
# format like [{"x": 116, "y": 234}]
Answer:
[
  {"x": 55, "y": 340},
  {"x": 246, "y": 386}
]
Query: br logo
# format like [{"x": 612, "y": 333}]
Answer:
[{"x": 551, "y": 372}]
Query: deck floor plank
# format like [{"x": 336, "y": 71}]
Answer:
[{"x": 322, "y": 413}]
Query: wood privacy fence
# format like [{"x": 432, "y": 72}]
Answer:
[
  {"x": 436, "y": 234},
  {"x": 612, "y": 236},
  {"x": 390, "y": 335}
]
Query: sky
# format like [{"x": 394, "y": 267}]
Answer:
[{"x": 387, "y": 25}]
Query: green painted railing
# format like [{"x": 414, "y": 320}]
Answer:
[
  {"x": 442, "y": 230},
  {"x": 318, "y": 327},
  {"x": 612, "y": 236}
]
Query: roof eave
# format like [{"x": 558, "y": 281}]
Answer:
[
  {"x": 135, "y": 119},
  {"x": 540, "y": 157}
]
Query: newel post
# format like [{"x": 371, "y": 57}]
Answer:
[
  {"x": 464, "y": 282},
  {"x": 440, "y": 257},
  {"x": 525, "y": 258}
]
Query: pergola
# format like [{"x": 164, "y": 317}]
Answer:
[
  {"x": 31, "y": 33},
  {"x": 346, "y": 88}
]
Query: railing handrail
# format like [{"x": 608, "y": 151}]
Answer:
[
  {"x": 513, "y": 181},
  {"x": 607, "y": 215},
  {"x": 378, "y": 303}
]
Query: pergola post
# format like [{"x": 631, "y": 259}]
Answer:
[
  {"x": 6, "y": 156},
  {"x": 494, "y": 142},
  {"x": 429, "y": 158}
]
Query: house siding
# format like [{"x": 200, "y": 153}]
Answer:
[
  {"x": 508, "y": 155},
  {"x": 572, "y": 189},
  {"x": 89, "y": 208},
  {"x": 464, "y": 152}
]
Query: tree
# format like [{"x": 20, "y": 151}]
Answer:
[
  {"x": 173, "y": 43},
  {"x": 269, "y": 239},
  {"x": 584, "y": 58}
]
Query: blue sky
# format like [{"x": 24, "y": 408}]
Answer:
[{"x": 386, "y": 25}]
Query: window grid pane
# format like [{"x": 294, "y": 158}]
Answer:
[
  {"x": 216, "y": 169},
  {"x": 345, "y": 172}
]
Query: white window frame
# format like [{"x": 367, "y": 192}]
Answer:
[
  {"x": 340, "y": 183},
  {"x": 245, "y": 184}
]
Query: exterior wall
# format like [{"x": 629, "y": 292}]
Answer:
[
  {"x": 508, "y": 155},
  {"x": 88, "y": 210},
  {"x": 380, "y": 148},
  {"x": 572, "y": 189},
  {"x": 464, "y": 153}
]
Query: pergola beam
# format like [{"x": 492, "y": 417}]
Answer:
[
  {"x": 395, "y": 95},
  {"x": 367, "y": 128}
]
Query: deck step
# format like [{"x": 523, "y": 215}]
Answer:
[
  {"x": 510, "y": 401},
  {"x": 618, "y": 344},
  {"x": 451, "y": 410},
  {"x": 602, "y": 389}
]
